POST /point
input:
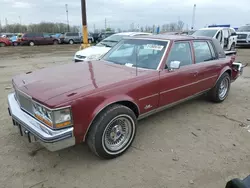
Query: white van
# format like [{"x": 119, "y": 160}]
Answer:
[{"x": 226, "y": 35}]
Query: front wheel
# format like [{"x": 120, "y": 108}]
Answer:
[
  {"x": 31, "y": 43},
  {"x": 232, "y": 48},
  {"x": 220, "y": 91},
  {"x": 112, "y": 132},
  {"x": 71, "y": 42}
]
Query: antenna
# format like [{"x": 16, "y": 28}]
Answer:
[
  {"x": 193, "y": 18},
  {"x": 136, "y": 52}
]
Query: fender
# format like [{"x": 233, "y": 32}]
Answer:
[
  {"x": 225, "y": 69},
  {"x": 108, "y": 102}
]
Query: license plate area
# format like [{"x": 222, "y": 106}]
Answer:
[{"x": 25, "y": 132}]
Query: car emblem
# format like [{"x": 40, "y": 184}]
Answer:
[{"x": 147, "y": 107}]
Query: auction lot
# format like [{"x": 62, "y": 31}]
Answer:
[{"x": 195, "y": 144}]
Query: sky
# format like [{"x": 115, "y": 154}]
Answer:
[{"x": 121, "y": 13}]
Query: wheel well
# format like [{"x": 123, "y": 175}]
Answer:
[
  {"x": 128, "y": 104},
  {"x": 229, "y": 72}
]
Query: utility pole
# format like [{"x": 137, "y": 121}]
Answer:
[
  {"x": 193, "y": 18},
  {"x": 20, "y": 20},
  {"x": 6, "y": 22},
  {"x": 67, "y": 13},
  {"x": 84, "y": 25},
  {"x": 105, "y": 25}
]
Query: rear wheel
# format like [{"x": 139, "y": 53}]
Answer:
[
  {"x": 2, "y": 44},
  {"x": 112, "y": 132},
  {"x": 55, "y": 42},
  {"x": 71, "y": 41},
  {"x": 220, "y": 91}
]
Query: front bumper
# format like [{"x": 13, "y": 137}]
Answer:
[
  {"x": 53, "y": 140},
  {"x": 243, "y": 42}
]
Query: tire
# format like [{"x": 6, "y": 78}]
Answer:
[
  {"x": 232, "y": 48},
  {"x": 2, "y": 44},
  {"x": 217, "y": 94},
  {"x": 15, "y": 44},
  {"x": 31, "y": 43},
  {"x": 71, "y": 41},
  {"x": 55, "y": 42},
  {"x": 103, "y": 132}
]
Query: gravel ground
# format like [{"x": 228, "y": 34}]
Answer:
[{"x": 195, "y": 144}]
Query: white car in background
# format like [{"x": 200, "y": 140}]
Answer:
[
  {"x": 226, "y": 35},
  {"x": 101, "y": 48},
  {"x": 243, "y": 34}
]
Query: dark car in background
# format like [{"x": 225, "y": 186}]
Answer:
[
  {"x": 103, "y": 35},
  {"x": 32, "y": 39}
]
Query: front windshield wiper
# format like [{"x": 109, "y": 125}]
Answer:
[
  {"x": 106, "y": 45},
  {"x": 110, "y": 41}
]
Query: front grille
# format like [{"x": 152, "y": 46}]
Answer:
[
  {"x": 80, "y": 56},
  {"x": 241, "y": 36},
  {"x": 242, "y": 42},
  {"x": 24, "y": 101}
]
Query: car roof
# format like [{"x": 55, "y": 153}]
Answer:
[
  {"x": 132, "y": 33},
  {"x": 171, "y": 37}
]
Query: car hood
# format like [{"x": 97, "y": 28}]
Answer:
[
  {"x": 72, "y": 79},
  {"x": 93, "y": 50}
]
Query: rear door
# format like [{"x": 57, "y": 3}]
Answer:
[
  {"x": 179, "y": 84},
  {"x": 39, "y": 39},
  {"x": 207, "y": 63}
]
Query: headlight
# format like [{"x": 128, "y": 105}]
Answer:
[
  {"x": 93, "y": 57},
  {"x": 43, "y": 114},
  {"x": 62, "y": 118},
  {"x": 248, "y": 36},
  {"x": 54, "y": 119}
]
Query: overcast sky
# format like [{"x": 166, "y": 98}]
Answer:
[{"x": 121, "y": 13}]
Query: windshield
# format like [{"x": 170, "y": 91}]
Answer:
[
  {"x": 244, "y": 28},
  {"x": 110, "y": 41},
  {"x": 137, "y": 53},
  {"x": 205, "y": 33}
]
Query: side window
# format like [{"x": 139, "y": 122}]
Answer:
[
  {"x": 202, "y": 51},
  {"x": 180, "y": 51},
  {"x": 219, "y": 36}
]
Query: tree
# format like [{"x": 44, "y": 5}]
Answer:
[
  {"x": 180, "y": 25},
  {"x": 108, "y": 29}
]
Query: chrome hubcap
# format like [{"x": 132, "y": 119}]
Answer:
[
  {"x": 223, "y": 88},
  {"x": 118, "y": 133}
]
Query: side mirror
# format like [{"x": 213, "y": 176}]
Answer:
[{"x": 174, "y": 65}]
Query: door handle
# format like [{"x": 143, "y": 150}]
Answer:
[{"x": 195, "y": 73}]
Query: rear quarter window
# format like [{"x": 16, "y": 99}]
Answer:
[{"x": 202, "y": 51}]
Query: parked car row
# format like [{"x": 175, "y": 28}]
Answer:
[
  {"x": 101, "y": 99},
  {"x": 32, "y": 39}
]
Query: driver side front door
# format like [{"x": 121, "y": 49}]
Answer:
[{"x": 179, "y": 84}]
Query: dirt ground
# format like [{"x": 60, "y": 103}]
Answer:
[{"x": 195, "y": 144}]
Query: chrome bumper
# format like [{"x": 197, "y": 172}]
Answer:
[
  {"x": 53, "y": 140},
  {"x": 239, "y": 67}
]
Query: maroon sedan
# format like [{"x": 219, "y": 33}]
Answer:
[
  {"x": 99, "y": 102},
  {"x": 4, "y": 42}
]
